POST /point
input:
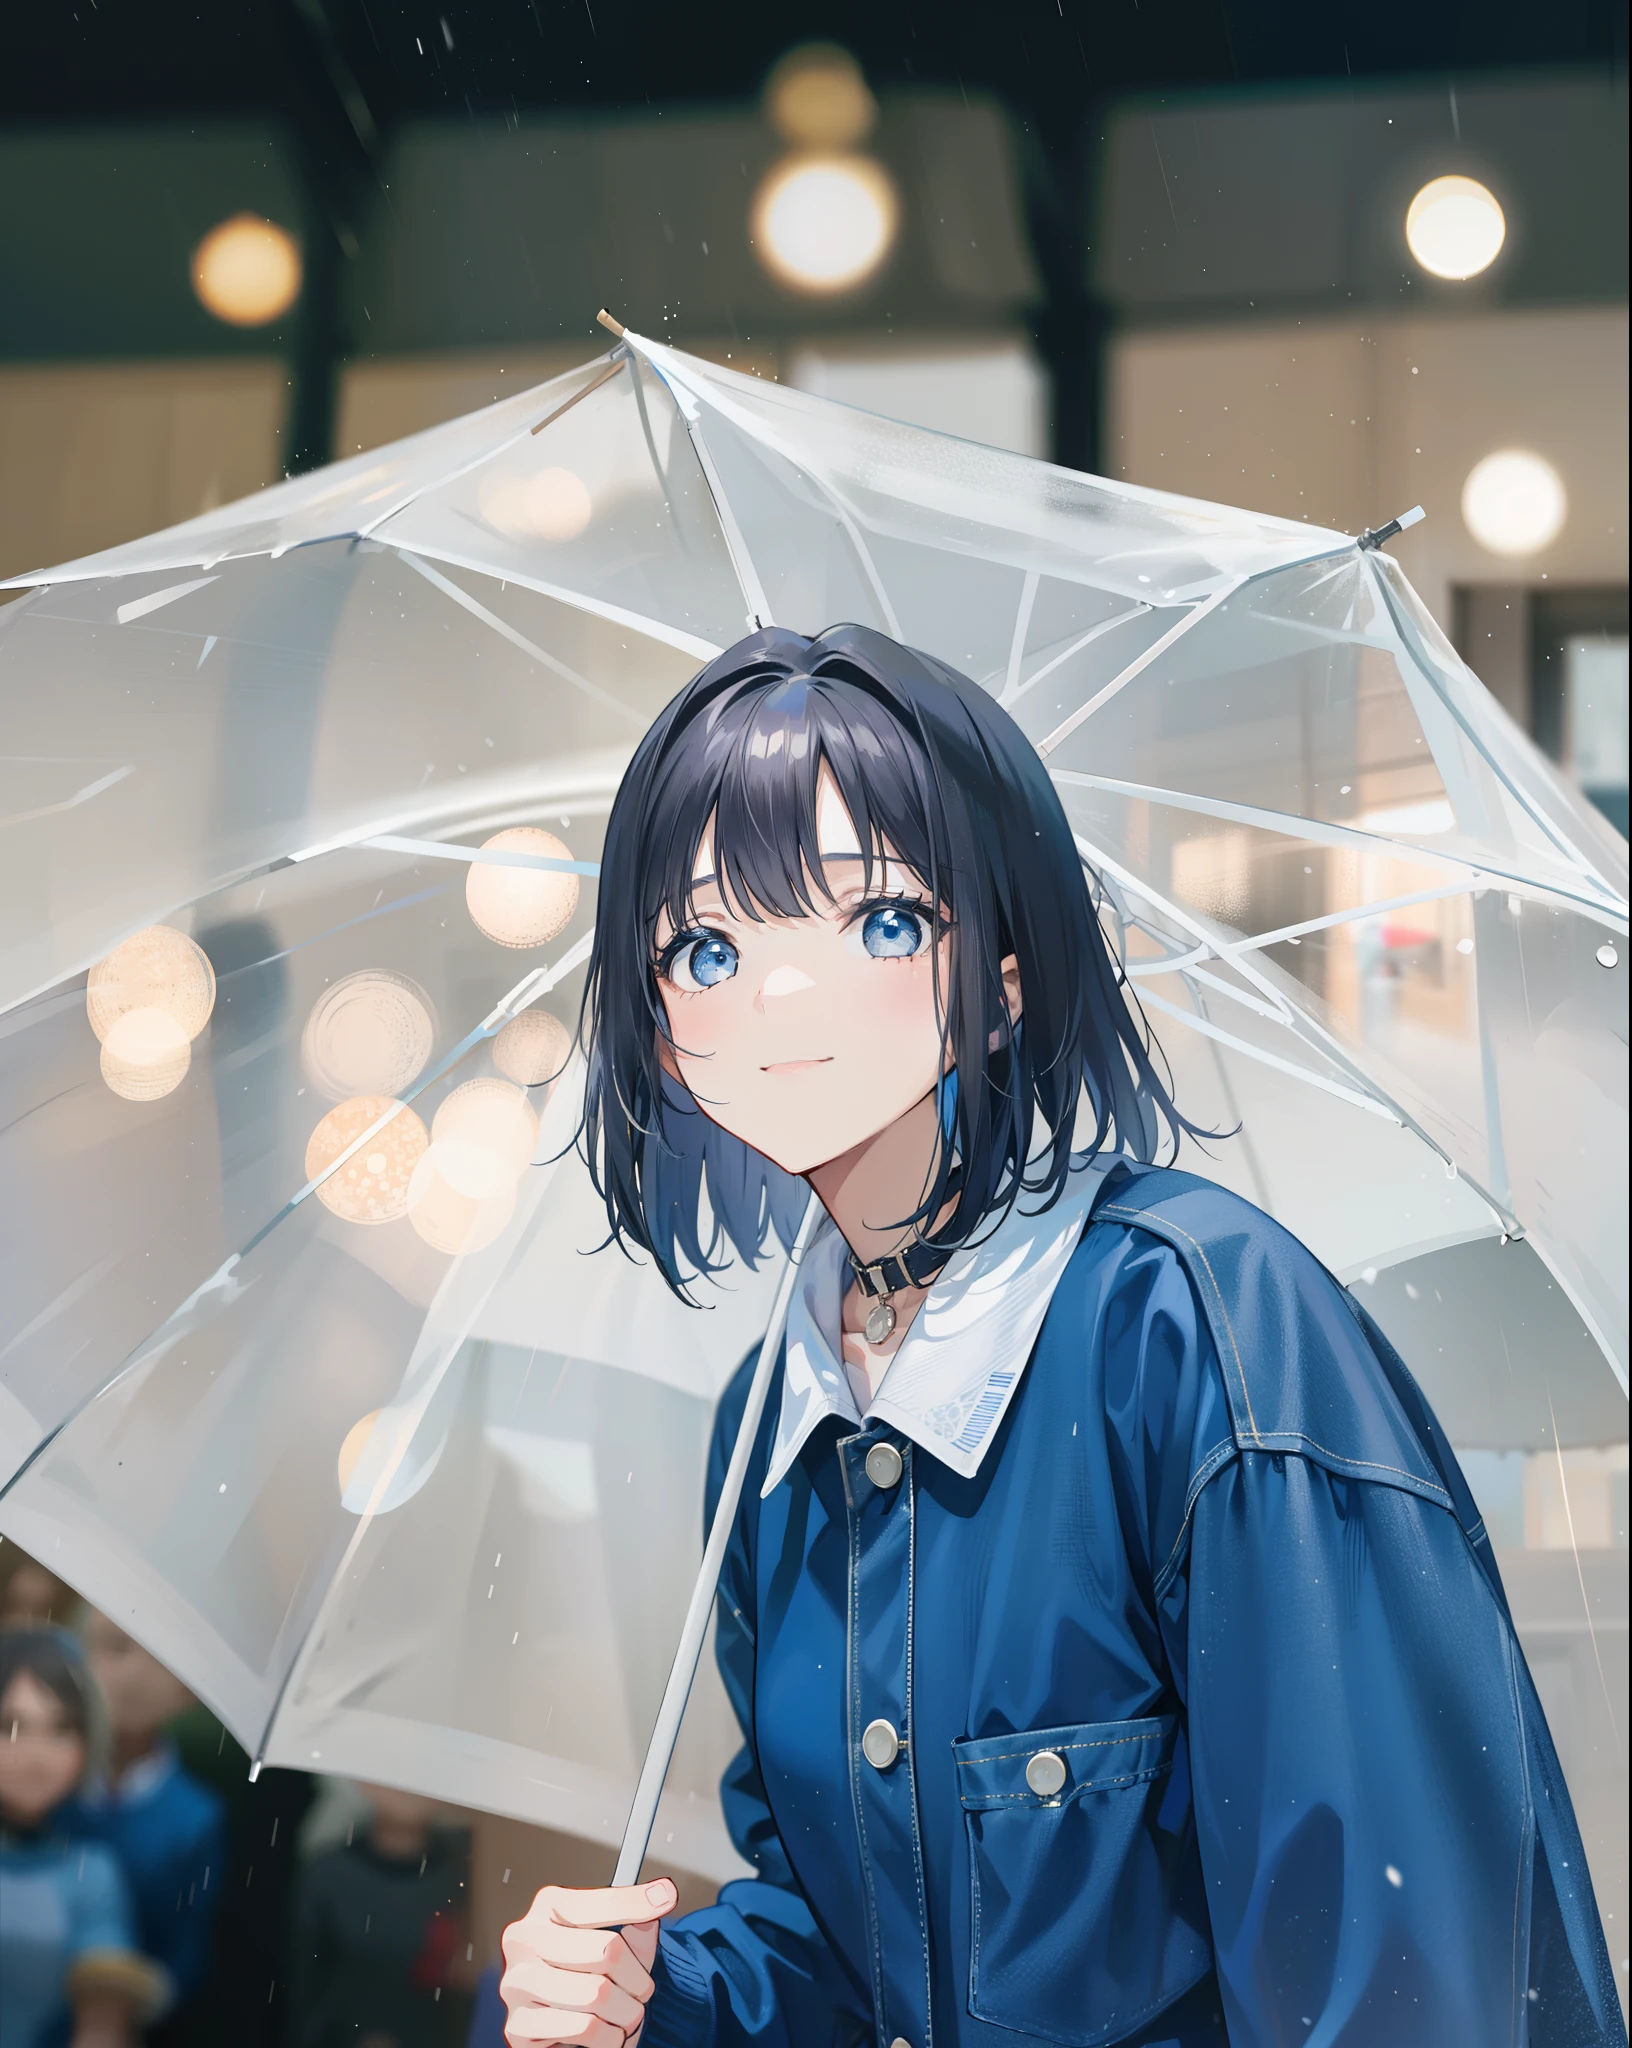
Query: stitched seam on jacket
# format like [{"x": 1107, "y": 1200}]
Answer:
[
  {"x": 853, "y": 1748},
  {"x": 1088, "y": 1785},
  {"x": 1527, "y": 1834},
  {"x": 1282, "y": 1439},
  {"x": 1219, "y": 1456},
  {"x": 912, "y": 1772},
  {"x": 1003, "y": 1756},
  {"x": 1138, "y": 1218}
]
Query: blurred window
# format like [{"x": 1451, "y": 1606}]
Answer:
[{"x": 1578, "y": 690}]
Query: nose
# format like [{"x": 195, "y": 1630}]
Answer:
[{"x": 782, "y": 981}]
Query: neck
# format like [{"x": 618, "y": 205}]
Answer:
[{"x": 869, "y": 1188}]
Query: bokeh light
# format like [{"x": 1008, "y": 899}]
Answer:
[
  {"x": 483, "y": 1136},
  {"x": 369, "y": 1034},
  {"x": 449, "y": 1221},
  {"x": 552, "y": 505},
  {"x": 532, "y": 1048},
  {"x": 1513, "y": 502},
  {"x": 521, "y": 906},
  {"x": 372, "y": 1186},
  {"x": 824, "y": 223},
  {"x": 1455, "y": 228},
  {"x": 155, "y": 969},
  {"x": 353, "y": 1446},
  {"x": 246, "y": 271},
  {"x": 817, "y": 98},
  {"x": 146, "y": 1054}
]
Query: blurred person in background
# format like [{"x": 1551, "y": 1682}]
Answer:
[
  {"x": 167, "y": 1830},
  {"x": 70, "y": 1974},
  {"x": 31, "y": 1596},
  {"x": 382, "y": 1937}
]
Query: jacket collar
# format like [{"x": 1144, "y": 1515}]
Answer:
[{"x": 950, "y": 1383}]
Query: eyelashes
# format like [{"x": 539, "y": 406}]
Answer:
[{"x": 893, "y": 927}]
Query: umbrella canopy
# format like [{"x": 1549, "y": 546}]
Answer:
[{"x": 401, "y": 1475}]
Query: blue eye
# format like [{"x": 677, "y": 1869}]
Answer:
[
  {"x": 704, "y": 963},
  {"x": 892, "y": 933}
]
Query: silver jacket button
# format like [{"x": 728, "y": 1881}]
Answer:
[
  {"x": 884, "y": 1466},
  {"x": 900, "y": 2042},
  {"x": 1045, "y": 1774},
  {"x": 880, "y": 1744}
]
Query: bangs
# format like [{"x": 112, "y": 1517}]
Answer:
[{"x": 742, "y": 794}]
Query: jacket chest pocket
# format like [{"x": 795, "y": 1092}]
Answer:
[{"x": 1087, "y": 1911}]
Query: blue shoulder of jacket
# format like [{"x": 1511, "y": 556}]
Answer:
[{"x": 1303, "y": 1369}]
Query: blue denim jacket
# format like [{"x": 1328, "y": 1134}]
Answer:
[{"x": 1213, "y": 1724}]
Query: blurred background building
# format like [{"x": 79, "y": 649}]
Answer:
[{"x": 1319, "y": 264}]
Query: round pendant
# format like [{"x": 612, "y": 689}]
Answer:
[{"x": 880, "y": 1322}]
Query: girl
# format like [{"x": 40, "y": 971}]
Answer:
[
  {"x": 69, "y": 1971},
  {"x": 1118, "y": 1653}
]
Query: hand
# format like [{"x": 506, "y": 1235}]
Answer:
[{"x": 572, "y": 1975}]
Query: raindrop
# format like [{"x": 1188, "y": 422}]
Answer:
[
  {"x": 1464, "y": 945},
  {"x": 1606, "y": 956},
  {"x": 1393, "y": 1876}
]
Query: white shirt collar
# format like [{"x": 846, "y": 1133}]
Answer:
[{"x": 948, "y": 1386}]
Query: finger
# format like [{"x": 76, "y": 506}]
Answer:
[
  {"x": 572, "y": 1991},
  {"x": 642, "y": 1945},
  {"x": 536, "y": 2023},
  {"x": 618, "y": 1905},
  {"x": 599, "y": 1950}
]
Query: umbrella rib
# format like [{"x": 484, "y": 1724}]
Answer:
[
  {"x": 1193, "y": 617},
  {"x": 508, "y": 632},
  {"x": 1203, "y": 1024},
  {"x": 1137, "y": 611},
  {"x": 1017, "y": 645}
]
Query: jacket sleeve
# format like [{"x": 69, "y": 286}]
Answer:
[
  {"x": 1388, "y": 1846},
  {"x": 754, "y": 1967}
]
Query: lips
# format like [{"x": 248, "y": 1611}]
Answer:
[{"x": 797, "y": 1066}]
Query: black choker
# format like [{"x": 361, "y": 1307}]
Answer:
[{"x": 915, "y": 1266}]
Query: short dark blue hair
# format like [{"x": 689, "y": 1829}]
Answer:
[{"x": 930, "y": 767}]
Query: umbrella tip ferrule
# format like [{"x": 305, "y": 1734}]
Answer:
[
  {"x": 1374, "y": 536},
  {"x": 612, "y": 326},
  {"x": 255, "y": 1770}
]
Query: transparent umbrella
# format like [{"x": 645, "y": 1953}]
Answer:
[{"x": 310, "y": 1369}]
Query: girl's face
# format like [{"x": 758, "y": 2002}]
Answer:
[
  {"x": 42, "y": 1754},
  {"x": 807, "y": 1036}
]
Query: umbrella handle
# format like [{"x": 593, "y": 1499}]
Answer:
[{"x": 637, "y": 1829}]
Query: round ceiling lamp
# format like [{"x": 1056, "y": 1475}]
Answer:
[
  {"x": 146, "y": 1002},
  {"x": 1513, "y": 502},
  {"x": 817, "y": 98},
  {"x": 1455, "y": 228},
  {"x": 532, "y": 1048},
  {"x": 373, "y": 1185},
  {"x": 521, "y": 906},
  {"x": 246, "y": 271},
  {"x": 824, "y": 223},
  {"x": 553, "y": 505},
  {"x": 369, "y": 1034}
]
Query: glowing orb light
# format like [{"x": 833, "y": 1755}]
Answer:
[
  {"x": 532, "y": 1048},
  {"x": 1455, "y": 228},
  {"x": 449, "y": 1221},
  {"x": 521, "y": 906},
  {"x": 156, "y": 969},
  {"x": 552, "y": 505},
  {"x": 246, "y": 271},
  {"x": 1513, "y": 502},
  {"x": 483, "y": 1136},
  {"x": 146, "y": 1054},
  {"x": 824, "y": 223},
  {"x": 356, "y": 1441},
  {"x": 372, "y": 1186},
  {"x": 369, "y": 1034},
  {"x": 817, "y": 97}
]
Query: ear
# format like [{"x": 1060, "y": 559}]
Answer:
[{"x": 1013, "y": 1002}]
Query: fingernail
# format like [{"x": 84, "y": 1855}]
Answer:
[{"x": 661, "y": 1891}]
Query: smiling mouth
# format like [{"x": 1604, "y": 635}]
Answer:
[{"x": 797, "y": 1066}]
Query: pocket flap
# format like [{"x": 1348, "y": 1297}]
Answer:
[{"x": 1097, "y": 1756}]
